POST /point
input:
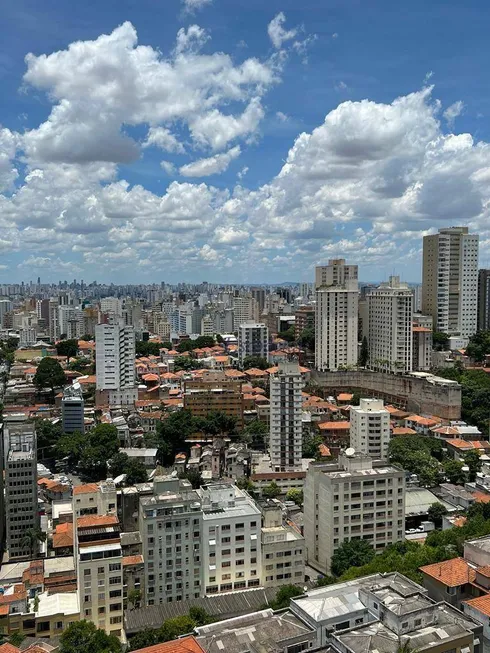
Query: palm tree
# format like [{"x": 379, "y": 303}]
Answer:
[{"x": 31, "y": 538}]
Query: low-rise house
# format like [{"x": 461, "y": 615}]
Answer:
[{"x": 451, "y": 581}]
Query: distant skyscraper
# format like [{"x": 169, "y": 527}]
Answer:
[
  {"x": 286, "y": 436},
  {"x": 483, "y": 300},
  {"x": 336, "y": 315},
  {"x": 114, "y": 353},
  {"x": 450, "y": 280},
  {"x": 390, "y": 327},
  {"x": 72, "y": 409}
]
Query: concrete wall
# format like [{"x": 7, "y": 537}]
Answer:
[{"x": 414, "y": 394}]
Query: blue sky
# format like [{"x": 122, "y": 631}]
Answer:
[{"x": 238, "y": 141}]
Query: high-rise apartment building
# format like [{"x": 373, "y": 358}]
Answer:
[
  {"x": 304, "y": 319},
  {"x": 111, "y": 306},
  {"x": 421, "y": 347},
  {"x": 72, "y": 409},
  {"x": 245, "y": 309},
  {"x": 253, "y": 340},
  {"x": 286, "y": 432},
  {"x": 390, "y": 327},
  {"x": 170, "y": 523},
  {"x": 483, "y": 300},
  {"x": 214, "y": 392},
  {"x": 370, "y": 428},
  {"x": 6, "y": 306},
  {"x": 336, "y": 315},
  {"x": 354, "y": 498},
  {"x": 230, "y": 539},
  {"x": 54, "y": 323},
  {"x": 450, "y": 280},
  {"x": 115, "y": 371},
  {"x": 22, "y": 511}
]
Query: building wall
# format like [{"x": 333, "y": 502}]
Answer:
[
  {"x": 483, "y": 300},
  {"x": 370, "y": 428},
  {"x": 286, "y": 428},
  {"x": 336, "y": 327},
  {"x": 253, "y": 340},
  {"x": 72, "y": 415}
]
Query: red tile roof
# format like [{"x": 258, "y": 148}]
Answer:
[
  {"x": 9, "y": 648},
  {"x": 85, "y": 488},
  {"x": 451, "y": 573},
  {"x": 403, "y": 430},
  {"x": 132, "y": 560},
  {"x": 97, "y": 520},
  {"x": 482, "y": 604},
  {"x": 182, "y": 645},
  {"x": 334, "y": 426}
]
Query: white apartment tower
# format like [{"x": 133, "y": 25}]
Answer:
[
  {"x": 370, "y": 428},
  {"x": 286, "y": 433},
  {"x": 354, "y": 498},
  {"x": 230, "y": 539},
  {"x": 114, "y": 354},
  {"x": 336, "y": 315},
  {"x": 390, "y": 327},
  {"x": 245, "y": 309},
  {"x": 450, "y": 280},
  {"x": 253, "y": 340}
]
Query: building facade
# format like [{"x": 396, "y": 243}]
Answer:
[
  {"x": 253, "y": 340},
  {"x": 72, "y": 410},
  {"x": 214, "y": 392},
  {"x": 370, "y": 428},
  {"x": 390, "y": 327},
  {"x": 354, "y": 498},
  {"x": 336, "y": 315},
  {"x": 483, "y": 300},
  {"x": 283, "y": 550},
  {"x": 450, "y": 280},
  {"x": 286, "y": 427},
  {"x": 115, "y": 371}
]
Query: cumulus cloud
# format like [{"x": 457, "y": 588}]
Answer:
[
  {"x": 277, "y": 34},
  {"x": 169, "y": 167},
  {"x": 212, "y": 165},
  {"x": 193, "y": 5},
  {"x": 99, "y": 87},
  {"x": 163, "y": 138},
  {"x": 452, "y": 112}
]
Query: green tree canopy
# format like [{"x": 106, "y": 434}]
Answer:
[
  {"x": 271, "y": 491},
  {"x": 193, "y": 476},
  {"x": 255, "y": 361},
  {"x": 68, "y": 348},
  {"x": 284, "y": 596},
  {"x": 172, "y": 433},
  {"x": 473, "y": 462},
  {"x": 84, "y": 637},
  {"x": 453, "y": 470},
  {"x": 440, "y": 341},
  {"x": 351, "y": 553},
  {"x": 89, "y": 453},
  {"x": 148, "y": 348},
  {"x": 436, "y": 512},
  {"x": 49, "y": 374},
  {"x": 289, "y": 335},
  {"x": 199, "y": 343},
  {"x": 311, "y": 442},
  {"x": 478, "y": 346},
  {"x": 419, "y": 455},
  {"x": 256, "y": 433},
  {"x": 47, "y": 436},
  {"x": 296, "y": 495},
  {"x": 307, "y": 338},
  {"x": 135, "y": 471},
  {"x": 186, "y": 363}
]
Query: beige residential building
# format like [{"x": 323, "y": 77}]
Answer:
[
  {"x": 336, "y": 315},
  {"x": 370, "y": 428},
  {"x": 450, "y": 280},
  {"x": 390, "y": 327},
  {"x": 353, "y": 498},
  {"x": 245, "y": 309},
  {"x": 283, "y": 550}
]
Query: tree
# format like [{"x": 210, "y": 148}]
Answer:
[
  {"x": 84, "y": 637},
  {"x": 193, "y": 476},
  {"x": 218, "y": 423},
  {"x": 186, "y": 363},
  {"x": 436, "y": 512},
  {"x": 49, "y": 374},
  {"x": 47, "y": 436},
  {"x": 199, "y": 616},
  {"x": 311, "y": 443},
  {"x": 271, "y": 491},
  {"x": 135, "y": 472},
  {"x": 118, "y": 463},
  {"x": 289, "y": 335},
  {"x": 364, "y": 353},
  {"x": 246, "y": 484},
  {"x": 296, "y": 495},
  {"x": 31, "y": 538},
  {"x": 71, "y": 446},
  {"x": 351, "y": 553},
  {"x": 134, "y": 597},
  {"x": 172, "y": 433},
  {"x": 257, "y": 431},
  {"x": 473, "y": 462},
  {"x": 68, "y": 348},
  {"x": 453, "y": 470},
  {"x": 147, "y": 348},
  {"x": 177, "y": 626},
  {"x": 284, "y": 596},
  {"x": 440, "y": 341},
  {"x": 90, "y": 453},
  {"x": 478, "y": 346},
  {"x": 255, "y": 361},
  {"x": 419, "y": 455},
  {"x": 307, "y": 338}
]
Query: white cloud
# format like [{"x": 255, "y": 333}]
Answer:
[
  {"x": 193, "y": 5},
  {"x": 169, "y": 167},
  {"x": 97, "y": 87},
  {"x": 212, "y": 165},
  {"x": 277, "y": 34},
  {"x": 452, "y": 112},
  {"x": 282, "y": 117},
  {"x": 242, "y": 172},
  {"x": 164, "y": 139},
  {"x": 9, "y": 142},
  {"x": 216, "y": 129}
]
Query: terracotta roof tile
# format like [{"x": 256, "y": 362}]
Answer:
[
  {"x": 482, "y": 604},
  {"x": 132, "y": 560},
  {"x": 182, "y": 645},
  {"x": 9, "y": 648},
  {"x": 97, "y": 520},
  {"x": 85, "y": 488},
  {"x": 451, "y": 573},
  {"x": 403, "y": 430},
  {"x": 334, "y": 426}
]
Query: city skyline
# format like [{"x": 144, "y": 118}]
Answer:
[{"x": 175, "y": 142}]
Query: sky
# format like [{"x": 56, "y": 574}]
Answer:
[{"x": 239, "y": 141}]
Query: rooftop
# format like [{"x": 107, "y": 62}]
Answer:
[
  {"x": 183, "y": 645},
  {"x": 451, "y": 573}
]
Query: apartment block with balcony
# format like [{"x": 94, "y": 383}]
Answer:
[
  {"x": 354, "y": 498},
  {"x": 286, "y": 427},
  {"x": 283, "y": 550},
  {"x": 214, "y": 391},
  {"x": 230, "y": 540},
  {"x": 253, "y": 340},
  {"x": 370, "y": 428},
  {"x": 170, "y": 522}
]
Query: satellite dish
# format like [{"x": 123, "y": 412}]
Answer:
[{"x": 350, "y": 452}]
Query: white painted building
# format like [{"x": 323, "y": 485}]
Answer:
[
  {"x": 231, "y": 552},
  {"x": 115, "y": 370},
  {"x": 336, "y": 315},
  {"x": 390, "y": 327},
  {"x": 450, "y": 280},
  {"x": 353, "y": 498},
  {"x": 286, "y": 428},
  {"x": 253, "y": 340},
  {"x": 283, "y": 550},
  {"x": 370, "y": 428},
  {"x": 245, "y": 309}
]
